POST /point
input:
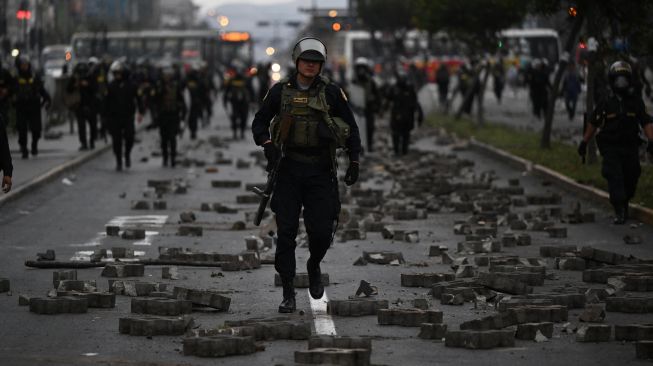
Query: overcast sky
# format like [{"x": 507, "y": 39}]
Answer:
[{"x": 320, "y": 3}]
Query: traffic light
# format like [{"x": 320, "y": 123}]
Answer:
[
  {"x": 572, "y": 11},
  {"x": 336, "y": 27}
]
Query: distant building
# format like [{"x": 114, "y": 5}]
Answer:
[{"x": 178, "y": 14}]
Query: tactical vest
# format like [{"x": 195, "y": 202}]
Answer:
[
  {"x": 314, "y": 135},
  {"x": 619, "y": 125},
  {"x": 26, "y": 89},
  {"x": 169, "y": 97},
  {"x": 238, "y": 90}
]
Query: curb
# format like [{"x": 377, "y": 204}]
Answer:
[
  {"x": 51, "y": 174},
  {"x": 638, "y": 212}
]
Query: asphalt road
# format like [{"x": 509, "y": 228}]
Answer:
[{"x": 71, "y": 219}]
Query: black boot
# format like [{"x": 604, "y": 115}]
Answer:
[
  {"x": 35, "y": 148},
  {"x": 118, "y": 164},
  {"x": 128, "y": 161},
  {"x": 24, "y": 152},
  {"x": 288, "y": 305},
  {"x": 626, "y": 215},
  {"x": 619, "y": 215},
  {"x": 315, "y": 286}
]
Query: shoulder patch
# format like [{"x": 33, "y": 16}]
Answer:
[{"x": 344, "y": 96}]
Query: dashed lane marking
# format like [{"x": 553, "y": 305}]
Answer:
[{"x": 323, "y": 322}]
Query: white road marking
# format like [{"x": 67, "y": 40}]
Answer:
[
  {"x": 146, "y": 220},
  {"x": 323, "y": 322}
]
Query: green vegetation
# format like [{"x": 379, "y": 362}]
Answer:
[{"x": 561, "y": 157}]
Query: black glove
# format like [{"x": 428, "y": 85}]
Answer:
[
  {"x": 271, "y": 154},
  {"x": 352, "y": 173},
  {"x": 582, "y": 149}
]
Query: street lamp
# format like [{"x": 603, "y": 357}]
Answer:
[
  {"x": 223, "y": 21},
  {"x": 270, "y": 51}
]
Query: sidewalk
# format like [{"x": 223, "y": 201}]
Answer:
[{"x": 55, "y": 157}]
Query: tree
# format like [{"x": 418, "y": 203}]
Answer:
[{"x": 392, "y": 16}]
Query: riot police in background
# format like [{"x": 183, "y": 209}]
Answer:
[
  {"x": 372, "y": 97},
  {"x": 197, "y": 91},
  {"x": 168, "y": 100},
  {"x": 498, "y": 78},
  {"x": 210, "y": 92},
  {"x": 30, "y": 97},
  {"x": 121, "y": 103},
  {"x": 6, "y": 167},
  {"x": 99, "y": 73},
  {"x": 7, "y": 85},
  {"x": 539, "y": 87},
  {"x": 618, "y": 120},
  {"x": 442, "y": 78},
  {"x": 311, "y": 119},
  {"x": 238, "y": 93},
  {"x": 84, "y": 82},
  {"x": 404, "y": 107}
]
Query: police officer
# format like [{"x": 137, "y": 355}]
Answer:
[
  {"x": 170, "y": 108},
  {"x": 372, "y": 97},
  {"x": 30, "y": 97},
  {"x": 5, "y": 157},
  {"x": 239, "y": 94},
  {"x": 210, "y": 92},
  {"x": 7, "y": 84},
  {"x": 404, "y": 106},
  {"x": 197, "y": 91},
  {"x": 306, "y": 107},
  {"x": 85, "y": 83},
  {"x": 618, "y": 119},
  {"x": 121, "y": 102}
]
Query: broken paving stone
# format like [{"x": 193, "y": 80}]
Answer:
[
  {"x": 170, "y": 273},
  {"x": 140, "y": 205},
  {"x": 383, "y": 257},
  {"x": 462, "y": 229},
  {"x": 301, "y": 280},
  {"x": 633, "y": 332},
  {"x": 552, "y": 251},
  {"x": 432, "y": 331},
  {"x": 557, "y": 232},
  {"x": 112, "y": 230},
  {"x": 523, "y": 240},
  {"x": 58, "y": 305},
  {"x": 539, "y": 337},
  {"x": 351, "y": 234},
  {"x": 23, "y": 300},
  {"x": 5, "y": 285},
  {"x": 424, "y": 279},
  {"x": 135, "y": 288},
  {"x": 518, "y": 315},
  {"x": 240, "y": 262},
  {"x": 123, "y": 270},
  {"x": 365, "y": 288},
  {"x": 187, "y": 216},
  {"x": 437, "y": 250},
  {"x": 271, "y": 329},
  {"x": 452, "y": 299},
  {"x": 226, "y": 183},
  {"x": 248, "y": 199},
  {"x": 644, "y": 350},
  {"x": 239, "y": 226},
  {"x": 571, "y": 264},
  {"x": 466, "y": 271},
  {"x": 479, "y": 339},
  {"x": 408, "y": 317},
  {"x": 133, "y": 234},
  {"x": 594, "y": 333},
  {"x": 324, "y": 341},
  {"x": 631, "y": 305},
  {"x": 253, "y": 243},
  {"x": 218, "y": 346},
  {"x": 49, "y": 255},
  {"x": 604, "y": 256},
  {"x": 529, "y": 331},
  {"x": 160, "y": 205},
  {"x": 356, "y": 307},
  {"x": 162, "y": 307},
  {"x": 508, "y": 240},
  {"x": 205, "y": 207},
  {"x": 446, "y": 258},
  {"x": 360, "y": 261},
  {"x": 150, "y": 325},
  {"x": 202, "y": 297},
  {"x": 422, "y": 304},
  {"x": 334, "y": 356},
  {"x": 503, "y": 283},
  {"x": 77, "y": 285},
  {"x": 185, "y": 230},
  {"x": 593, "y": 313},
  {"x": 60, "y": 275}
]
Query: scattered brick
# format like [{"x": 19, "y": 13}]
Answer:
[
  {"x": 223, "y": 209},
  {"x": 140, "y": 205},
  {"x": 169, "y": 273},
  {"x": 135, "y": 288},
  {"x": 23, "y": 300},
  {"x": 218, "y": 346},
  {"x": 239, "y": 226},
  {"x": 49, "y": 255},
  {"x": 61, "y": 275},
  {"x": 334, "y": 356},
  {"x": 644, "y": 350},
  {"x": 248, "y": 199},
  {"x": 160, "y": 205},
  {"x": 163, "y": 307},
  {"x": 186, "y": 230},
  {"x": 384, "y": 257},
  {"x": 187, "y": 216},
  {"x": 570, "y": 264},
  {"x": 422, "y": 304},
  {"x": 112, "y": 230},
  {"x": 515, "y": 302},
  {"x": 593, "y": 313},
  {"x": 629, "y": 304},
  {"x": 557, "y": 232},
  {"x": 339, "y": 342},
  {"x": 604, "y": 256},
  {"x": 263, "y": 329},
  {"x": 77, "y": 285},
  {"x": 432, "y": 331},
  {"x": 226, "y": 183},
  {"x": 594, "y": 333},
  {"x": 523, "y": 240},
  {"x": 528, "y": 331},
  {"x": 202, "y": 297},
  {"x": 121, "y": 252},
  {"x": 123, "y": 270},
  {"x": 356, "y": 307},
  {"x": 150, "y": 325},
  {"x": 633, "y": 332},
  {"x": 503, "y": 283},
  {"x": 408, "y": 317},
  {"x": 479, "y": 339},
  {"x": 518, "y": 315},
  {"x": 437, "y": 250},
  {"x": 424, "y": 279},
  {"x": 58, "y": 305},
  {"x": 133, "y": 234},
  {"x": 239, "y": 262}
]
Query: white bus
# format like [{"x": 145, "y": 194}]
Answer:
[{"x": 520, "y": 46}]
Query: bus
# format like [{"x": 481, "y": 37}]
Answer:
[
  {"x": 217, "y": 49},
  {"x": 520, "y": 46}
]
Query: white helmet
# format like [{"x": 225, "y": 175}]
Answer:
[
  {"x": 93, "y": 60},
  {"x": 309, "y": 48},
  {"x": 362, "y": 61},
  {"x": 116, "y": 66}
]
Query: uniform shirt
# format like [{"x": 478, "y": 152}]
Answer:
[
  {"x": 335, "y": 97},
  {"x": 620, "y": 120},
  {"x": 122, "y": 99}
]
